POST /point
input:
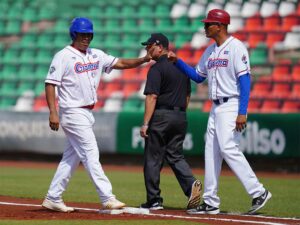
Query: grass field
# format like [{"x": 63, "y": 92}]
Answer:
[{"x": 129, "y": 187}]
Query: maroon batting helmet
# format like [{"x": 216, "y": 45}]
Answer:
[{"x": 217, "y": 15}]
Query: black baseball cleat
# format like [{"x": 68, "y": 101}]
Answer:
[
  {"x": 259, "y": 202},
  {"x": 157, "y": 205},
  {"x": 195, "y": 196},
  {"x": 204, "y": 209}
]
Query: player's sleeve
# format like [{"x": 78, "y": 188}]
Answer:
[
  {"x": 189, "y": 71},
  {"x": 109, "y": 62},
  {"x": 153, "y": 82},
  {"x": 241, "y": 61},
  {"x": 56, "y": 71},
  {"x": 245, "y": 85}
]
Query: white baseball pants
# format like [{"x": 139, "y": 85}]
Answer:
[
  {"x": 81, "y": 146},
  {"x": 222, "y": 142}
]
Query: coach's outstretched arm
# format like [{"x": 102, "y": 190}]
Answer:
[
  {"x": 185, "y": 68},
  {"x": 132, "y": 63},
  {"x": 50, "y": 96}
]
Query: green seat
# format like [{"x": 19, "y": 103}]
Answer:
[
  {"x": 147, "y": 25},
  {"x": 164, "y": 25},
  {"x": 145, "y": 11},
  {"x": 24, "y": 86},
  {"x": 130, "y": 41},
  {"x": 259, "y": 55},
  {"x": 111, "y": 25},
  {"x": 43, "y": 56},
  {"x": 39, "y": 88},
  {"x": 130, "y": 54},
  {"x": 196, "y": 24},
  {"x": 47, "y": 12},
  {"x": 128, "y": 11},
  {"x": 133, "y": 104},
  {"x": 13, "y": 27},
  {"x": 26, "y": 72},
  {"x": 40, "y": 72},
  {"x": 181, "y": 25},
  {"x": 45, "y": 40},
  {"x": 111, "y": 12},
  {"x": 7, "y": 103},
  {"x": 9, "y": 72},
  {"x": 61, "y": 40},
  {"x": 28, "y": 40},
  {"x": 30, "y": 14},
  {"x": 181, "y": 39},
  {"x": 8, "y": 88},
  {"x": 11, "y": 56},
  {"x": 61, "y": 26},
  {"x": 162, "y": 11},
  {"x": 27, "y": 56},
  {"x": 112, "y": 41},
  {"x": 129, "y": 25}
]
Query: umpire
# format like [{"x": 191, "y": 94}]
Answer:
[{"x": 167, "y": 93}]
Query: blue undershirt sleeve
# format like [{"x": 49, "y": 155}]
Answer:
[
  {"x": 245, "y": 85},
  {"x": 189, "y": 71}
]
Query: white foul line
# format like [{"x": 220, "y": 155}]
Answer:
[{"x": 178, "y": 216}]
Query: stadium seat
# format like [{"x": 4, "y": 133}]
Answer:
[
  {"x": 114, "y": 102},
  {"x": 281, "y": 72},
  {"x": 256, "y": 38},
  {"x": 289, "y": 21},
  {"x": 233, "y": 8},
  {"x": 197, "y": 54},
  {"x": 268, "y": 8},
  {"x": 185, "y": 54},
  {"x": 254, "y": 105},
  {"x": 129, "y": 88},
  {"x": 9, "y": 72},
  {"x": 295, "y": 93},
  {"x": 26, "y": 72},
  {"x": 261, "y": 90},
  {"x": 241, "y": 35},
  {"x": 130, "y": 74},
  {"x": 250, "y": 8},
  {"x": 270, "y": 106},
  {"x": 40, "y": 104},
  {"x": 254, "y": 23},
  {"x": 206, "y": 106},
  {"x": 195, "y": 10},
  {"x": 199, "y": 40},
  {"x": 259, "y": 55},
  {"x": 296, "y": 72},
  {"x": 273, "y": 38},
  {"x": 286, "y": 8},
  {"x": 110, "y": 88},
  {"x": 133, "y": 104},
  {"x": 236, "y": 24},
  {"x": 272, "y": 23},
  {"x": 7, "y": 102},
  {"x": 27, "y": 56},
  {"x": 290, "y": 107},
  {"x": 25, "y": 101},
  {"x": 178, "y": 10},
  {"x": 161, "y": 11},
  {"x": 280, "y": 90}
]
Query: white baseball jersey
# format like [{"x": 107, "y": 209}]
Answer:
[
  {"x": 222, "y": 66},
  {"x": 77, "y": 75}
]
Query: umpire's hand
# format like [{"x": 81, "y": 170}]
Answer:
[{"x": 143, "y": 131}]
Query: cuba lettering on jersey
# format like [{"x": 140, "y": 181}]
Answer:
[
  {"x": 81, "y": 68},
  {"x": 222, "y": 66},
  {"x": 77, "y": 75}
]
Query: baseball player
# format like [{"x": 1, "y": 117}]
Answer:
[
  {"x": 226, "y": 66},
  {"x": 76, "y": 72}
]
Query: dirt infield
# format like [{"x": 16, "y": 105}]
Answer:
[{"x": 30, "y": 209}]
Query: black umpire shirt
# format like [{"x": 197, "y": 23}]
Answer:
[{"x": 167, "y": 82}]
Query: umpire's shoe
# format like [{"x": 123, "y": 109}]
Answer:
[
  {"x": 204, "y": 209},
  {"x": 154, "y": 205},
  {"x": 259, "y": 202},
  {"x": 195, "y": 196},
  {"x": 59, "y": 207}
]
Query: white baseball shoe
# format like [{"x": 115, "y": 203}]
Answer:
[
  {"x": 113, "y": 204},
  {"x": 60, "y": 207}
]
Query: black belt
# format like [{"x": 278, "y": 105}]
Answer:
[
  {"x": 88, "y": 106},
  {"x": 174, "y": 108},
  {"x": 221, "y": 100}
]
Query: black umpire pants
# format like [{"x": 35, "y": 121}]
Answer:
[{"x": 166, "y": 134}]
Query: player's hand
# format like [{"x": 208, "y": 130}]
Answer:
[
  {"x": 143, "y": 131},
  {"x": 241, "y": 123},
  {"x": 54, "y": 121},
  {"x": 172, "y": 57},
  {"x": 148, "y": 57}
]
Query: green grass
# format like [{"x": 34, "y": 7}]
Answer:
[{"x": 129, "y": 187}]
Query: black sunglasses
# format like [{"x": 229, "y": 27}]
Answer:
[{"x": 211, "y": 24}]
